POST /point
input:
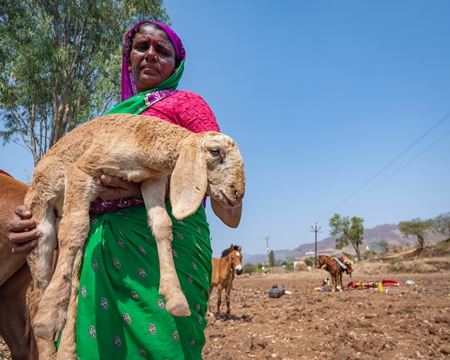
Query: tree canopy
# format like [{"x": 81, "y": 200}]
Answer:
[
  {"x": 60, "y": 64},
  {"x": 442, "y": 225},
  {"x": 349, "y": 231},
  {"x": 416, "y": 227}
]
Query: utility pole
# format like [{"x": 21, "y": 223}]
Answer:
[
  {"x": 316, "y": 230},
  {"x": 267, "y": 243}
]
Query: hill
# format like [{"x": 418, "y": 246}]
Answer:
[{"x": 387, "y": 232}]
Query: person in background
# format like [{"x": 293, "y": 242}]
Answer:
[{"x": 120, "y": 312}]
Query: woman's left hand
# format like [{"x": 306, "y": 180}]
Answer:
[{"x": 113, "y": 187}]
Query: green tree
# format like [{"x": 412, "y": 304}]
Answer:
[
  {"x": 348, "y": 231},
  {"x": 442, "y": 225},
  {"x": 60, "y": 64},
  {"x": 416, "y": 227},
  {"x": 259, "y": 267},
  {"x": 384, "y": 245},
  {"x": 271, "y": 258}
]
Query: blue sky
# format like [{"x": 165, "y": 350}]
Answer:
[{"x": 337, "y": 107}]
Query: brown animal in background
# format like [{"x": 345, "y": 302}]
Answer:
[
  {"x": 332, "y": 266},
  {"x": 136, "y": 148},
  {"x": 224, "y": 269},
  {"x": 15, "y": 278}
]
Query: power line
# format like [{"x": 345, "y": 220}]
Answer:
[
  {"x": 419, "y": 139},
  {"x": 410, "y": 161}
]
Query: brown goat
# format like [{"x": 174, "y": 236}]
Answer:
[{"x": 137, "y": 148}]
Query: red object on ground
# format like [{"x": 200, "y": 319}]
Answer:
[{"x": 390, "y": 283}]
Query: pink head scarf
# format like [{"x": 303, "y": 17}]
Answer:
[{"x": 128, "y": 85}]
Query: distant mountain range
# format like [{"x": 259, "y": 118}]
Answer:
[{"x": 389, "y": 233}]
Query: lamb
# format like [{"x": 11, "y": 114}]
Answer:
[{"x": 136, "y": 148}]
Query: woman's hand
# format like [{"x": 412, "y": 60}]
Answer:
[
  {"x": 112, "y": 187},
  {"x": 21, "y": 231}
]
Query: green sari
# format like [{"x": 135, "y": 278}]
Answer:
[{"x": 120, "y": 312}]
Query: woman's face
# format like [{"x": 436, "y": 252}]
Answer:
[{"x": 152, "y": 58}]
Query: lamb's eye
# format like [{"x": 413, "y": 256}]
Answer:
[{"x": 215, "y": 152}]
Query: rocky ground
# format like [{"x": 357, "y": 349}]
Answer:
[{"x": 406, "y": 322}]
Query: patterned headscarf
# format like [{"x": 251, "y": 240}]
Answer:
[{"x": 128, "y": 84}]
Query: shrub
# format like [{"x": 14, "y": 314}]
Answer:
[
  {"x": 289, "y": 267},
  {"x": 309, "y": 261},
  {"x": 249, "y": 268}
]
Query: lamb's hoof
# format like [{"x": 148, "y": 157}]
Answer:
[
  {"x": 44, "y": 329},
  {"x": 178, "y": 307},
  {"x": 47, "y": 325}
]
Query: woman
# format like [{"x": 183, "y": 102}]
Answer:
[{"x": 120, "y": 312}]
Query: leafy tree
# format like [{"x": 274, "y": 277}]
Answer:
[
  {"x": 416, "y": 227},
  {"x": 384, "y": 245},
  {"x": 259, "y": 267},
  {"x": 249, "y": 268},
  {"x": 349, "y": 231},
  {"x": 271, "y": 258},
  {"x": 60, "y": 64},
  {"x": 442, "y": 225}
]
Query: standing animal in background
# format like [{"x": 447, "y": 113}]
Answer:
[
  {"x": 137, "y": 148},
  {"x": 224, "y": 270},
  {"x": 332, "y": 266},
  {"x": 15, "y": 278}
]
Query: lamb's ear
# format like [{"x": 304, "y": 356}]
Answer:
[
  {"x": 188, "y": 182},
  {"x": 230, "y": 217}
]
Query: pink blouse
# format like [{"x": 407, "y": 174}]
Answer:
[
  {"x": 186, "y": 109},
  {"x": 183, "y": 108}
]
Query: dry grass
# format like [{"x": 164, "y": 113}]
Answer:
[{"x": 398, "y": 265}]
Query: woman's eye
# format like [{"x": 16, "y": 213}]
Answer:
[
  {"x": 140, "y": 47},
  {"x": 164, "y": 52}
]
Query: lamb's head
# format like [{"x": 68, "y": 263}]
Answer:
[
  {"x": 209, "y": 163},
  {"x": 225, "y": 170}
]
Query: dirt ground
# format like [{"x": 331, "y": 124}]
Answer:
[{"x": 407, "y": 322}]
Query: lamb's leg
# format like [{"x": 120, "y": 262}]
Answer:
[
  {"x": 73, "y": 229},
  {"x": 40, "y": 258},
  {"x": 45, "y": 348},
  {"x": 153, "y": 192},
  {"x": 67, "y": 348},
  {"x": 40, "y": 263}
]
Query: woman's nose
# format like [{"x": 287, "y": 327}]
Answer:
[{"x": 151, "y": 53}]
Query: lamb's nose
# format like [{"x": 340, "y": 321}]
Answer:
[{"x": 239, "y": 196}]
